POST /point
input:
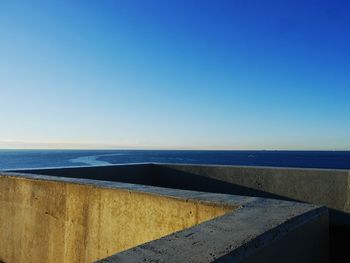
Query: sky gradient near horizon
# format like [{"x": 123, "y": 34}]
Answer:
[{"x": 175, "y": 74}]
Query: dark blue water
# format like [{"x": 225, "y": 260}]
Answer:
[{"x": 13, "y": 159}]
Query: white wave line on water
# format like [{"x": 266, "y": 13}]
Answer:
[{"x": 93, "y": 159}]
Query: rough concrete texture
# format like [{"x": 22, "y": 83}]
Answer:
[
  {"x": 255, "y": 226},
  {"x": 47, "y": 221},
  {"x": 317, "y": 186},
  {"x": 261, "y": 232}
]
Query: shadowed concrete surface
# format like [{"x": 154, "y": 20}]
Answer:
[{"x": 318, "y": 186}]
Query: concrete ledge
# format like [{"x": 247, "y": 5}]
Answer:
[{"x": 259, "y": 232}]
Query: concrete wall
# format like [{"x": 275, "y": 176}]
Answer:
[
  {"x": 264, "y": 231},
  {"x": 328, "y": 187},
  {"x": 55, "y": 221},
  {"x": 316, "y": 186}
]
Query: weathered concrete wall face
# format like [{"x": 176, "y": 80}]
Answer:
[
  {"x": 317, "y": 186},
  {"x": 51, "y": 221}
]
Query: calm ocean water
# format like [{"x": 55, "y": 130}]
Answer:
[{"x": 14, "y": 159}]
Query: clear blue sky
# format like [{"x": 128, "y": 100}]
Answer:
[{"x": 175, "y": 74}]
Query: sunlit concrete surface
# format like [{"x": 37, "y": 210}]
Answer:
[{"x": 50, "y": 221}]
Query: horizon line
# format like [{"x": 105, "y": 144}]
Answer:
[{"x": 170, "y": 149}]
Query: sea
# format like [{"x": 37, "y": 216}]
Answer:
[{"x": 20, "y": 159}]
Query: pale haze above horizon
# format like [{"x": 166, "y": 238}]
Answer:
[{"x": 230, "y": 75}]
